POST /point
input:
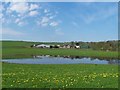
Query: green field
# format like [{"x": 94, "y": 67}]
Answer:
[
  {"x": 60, "y": 76},
  {"x": 13, "y": 49},
  {"x": 56, "y": 76}
]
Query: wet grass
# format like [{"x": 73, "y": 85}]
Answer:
[{"x": 59, "y": 76}]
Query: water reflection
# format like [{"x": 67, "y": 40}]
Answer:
[
  {"x": 114, "y": 62},
  {"x": 109, "y": 60},
  {"x": 75, "y": 57},
  {"x": 47, "y": 59}
]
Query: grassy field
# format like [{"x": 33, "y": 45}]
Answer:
[
  {"x": 60, "y": 76},
  {"x": 56, "y": 76},
  {"x": 13, "y": 49}
]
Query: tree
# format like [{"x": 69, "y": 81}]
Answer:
[
  {"x": 72, "y": 44},
  {"x": 77, "y": 44}
]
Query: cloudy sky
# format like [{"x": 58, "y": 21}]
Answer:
[{"x": 60, "y": 21}]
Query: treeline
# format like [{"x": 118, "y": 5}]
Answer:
[{"x": 104, "y": 45}]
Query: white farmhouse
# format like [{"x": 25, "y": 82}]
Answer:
[
  {"x": 77, "y": 46},
  {"x": 42, "y": 46}
]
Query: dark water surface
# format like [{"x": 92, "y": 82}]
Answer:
[{"x": 59, "y": 60}]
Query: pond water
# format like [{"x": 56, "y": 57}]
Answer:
[{"x": 60, "y": 60}]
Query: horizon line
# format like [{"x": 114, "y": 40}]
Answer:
[{"x": 60, "y": 41}]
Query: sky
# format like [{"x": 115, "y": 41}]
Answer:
[{"x": 59, "y": 21}]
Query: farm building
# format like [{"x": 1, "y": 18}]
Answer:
[
  {"x": 42, "y": 46},
  {"x": 77, "y": 46},
  {"x": 55, "y": 46}
]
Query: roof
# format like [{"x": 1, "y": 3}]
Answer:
[{"x": 42, "y": 45}]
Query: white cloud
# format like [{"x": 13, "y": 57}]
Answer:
[
  {"x": 44, "y": 24},
  {"x": 19, "y": 15},
  {"x": 21, "y": 23},
  {"x": 1, "y": 15},
  {"x": 33, "y": 7},
  {"x": 54, "y": 24},
  {"x": 20, "y": 12},
  {"x": 19, "y": 7},
  {"x": 17, "y": 20},
  {"x": 52, "y": 16},
  {"x": 46, "y": 10},
  {"x": 2, "y": 20},
  {"x": 33, "y": 13},
  {"x": 11, "y": 32},
  {"x": 48, "y": 14},
  {"x": 2, "y": 7},
  {"x": 44, "y": 21}
]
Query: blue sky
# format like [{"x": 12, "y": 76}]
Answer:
[{"x": 60, "y": 21}]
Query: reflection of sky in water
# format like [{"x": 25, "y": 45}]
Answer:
[{"x": 60, "y": 60}]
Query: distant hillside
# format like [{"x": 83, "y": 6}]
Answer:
[
  {"x": 103, "y": 45},
  {"x": 7, "y": 44},
  {"x": 107, "y": 45}
]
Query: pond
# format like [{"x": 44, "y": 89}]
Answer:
[{"x": 59, "y": 60}]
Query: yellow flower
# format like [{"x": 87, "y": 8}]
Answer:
[
  {"x": 11, "y": 85},
  {"x": 104, "y": 75},
  {"x": 116, "y": 75}
]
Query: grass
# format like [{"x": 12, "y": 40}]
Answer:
[
  {"x": 17, "y": 49},
  {"x": 59, "y": 76},
  {"x": 56, "y": 76}
]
